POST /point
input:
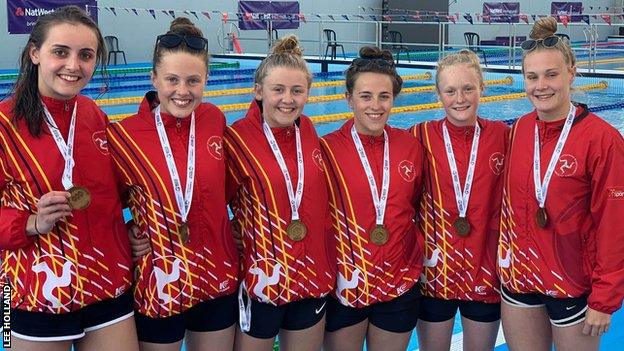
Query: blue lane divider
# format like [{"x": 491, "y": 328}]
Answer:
[{"x": 95, "y": 80}]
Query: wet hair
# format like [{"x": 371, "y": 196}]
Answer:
[
  {"x": 286, "y": 52},
  {"x": 462, "y": 57},
  {"x": 372, "y": 59},
  {"x": 546, "y": 27},
  {"x": 27, "y": 100},
  {"x": 181, "y": 26}
]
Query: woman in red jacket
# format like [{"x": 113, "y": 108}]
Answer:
[
  {"x": 459, "y": 212},
  {"x": 170, "y": 157},
  {"x": 65, "y": 254},
  {"x": 374, "y": 173},
  {"x": 560, "y": 250},
  {"x": 279, "y": 201}
]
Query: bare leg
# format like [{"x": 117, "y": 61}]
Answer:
[
  {"x": 245, "y": 342},
  {"x": 435, "y": 336},
  {"x": 18, "y": 344},
  {"x": 479, "y": 336},
  {"x": 120, "y": 336},
  {"x": 347, "y": 339},
  {"x": 310, "y": 339},
  {"x": 572, "y": 339},
  {"x": 383, "y": 340},
  {"x": 526, "y": 329},
  {"x": 220, "y": 340}
]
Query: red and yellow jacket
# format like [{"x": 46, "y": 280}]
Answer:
[
  {"x": 580, "y": 251},
  {"x": 84, "y": 259},
  {"x": 369, "y": 273},
  {"x": 276, "y": 269},
  {"x": 174, "y": 275},
  {"x": 461, "y": 268}
]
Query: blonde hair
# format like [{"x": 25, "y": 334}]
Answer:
[
  {"x": 462, "y": 57},
  {"x": 285, "y": 53},
  {"x": 546, "y": 27}
]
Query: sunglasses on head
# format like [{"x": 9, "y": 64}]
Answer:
[
  {"x": 548, "y": 42},
  {"x": 171, "y": 41},
  {"x": 361, "y": 62}
]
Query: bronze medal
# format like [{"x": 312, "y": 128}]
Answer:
[
  {"x": 379, "y": 235},
  {"x": 80, "y": 198},
  {"x": 462, "y": 226},
  {"x": 541, "y": 217},
  {"x": 184, "y": 233},
  {"x": 296, "y": 230}
]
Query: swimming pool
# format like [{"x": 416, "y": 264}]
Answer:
[{"x": 128, "y": 88}]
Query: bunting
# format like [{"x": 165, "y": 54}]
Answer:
[
  {"x": 468, "y": 18},
  {"x": 524, "y": 18}
]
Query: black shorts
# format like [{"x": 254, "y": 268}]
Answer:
[
  {"x": 267, "y": 319},
  {"x": 440, "y": 310},
  {"x": 398, "y": 315},
  {"x": 563, "y": 312},
  {"x": 207, "y": 316},
  {"x": 41, "y": 326}
]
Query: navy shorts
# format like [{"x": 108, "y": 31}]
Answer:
[
  {"x": 440, "y": 310},
  {"x": 41, "y": 326},
  {"x": 267, "y": 319},
  {"x": 398, "y": 315},
  {"x": 207, "y": 316},
  {"x": 563, "y": 312}
]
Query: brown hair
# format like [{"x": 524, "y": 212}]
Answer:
[
  {"x": 27, "y": 100},
  {"x": 180, "y": 26},
  {"x": 546, "y": 27},
  {"x": 462, "y": 57},
  {"x": 286, "y": 52},
  {"x": 372, "y": 55}
]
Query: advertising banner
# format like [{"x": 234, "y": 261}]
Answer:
[
  {"x": 22, "y": 14},
  {"x": 501, "y": 12},
  {"x": 255, "y": 15}
]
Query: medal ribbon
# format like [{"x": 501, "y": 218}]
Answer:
[
  {"x": 541, "y": 189},
  {"x": 378, "y": 200},
  {"x": 461, "y": 198},
  {"x": 183, "y": 200},
  {"x": 66, "y": 149},
  {"x": 293, "y": 197}
]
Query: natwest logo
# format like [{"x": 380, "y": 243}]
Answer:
[
  {"x": 36, "y": 12},
  {"x": 19, "y": 12}
]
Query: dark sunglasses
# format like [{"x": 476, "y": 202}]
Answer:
[
  {"x": 549, "y": 42},
  {"x": 171, "y": 41},
  {"x": 362, "y": 62}
]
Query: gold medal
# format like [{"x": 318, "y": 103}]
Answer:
[
  {"x": 80, "y": 198},
  {"x": 541, "y": 217},
  {"x": 462, "y": 226},
  {"x": 184, "y": 233},
  {"x": 379, "y": 235},
  {"x": 296, "y": 230}
]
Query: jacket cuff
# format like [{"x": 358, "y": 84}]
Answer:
[{"x": 13, "y": 229}]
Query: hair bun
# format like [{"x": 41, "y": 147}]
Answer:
[
  {"x": 543, "y": 28},
  {"x": 372, "y": 52},
  {"x": 184, "y": 26},
  {"x": 288, "y": 45}
]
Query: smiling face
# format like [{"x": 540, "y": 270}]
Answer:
[
  {"x": 180, "y": 78},
  {"x": 371, "y": 102},
  {"x": 547, "y": 82},
  {"x": 459, "y": 90},
  {"x": 283, "y": 92},
  {"x": 66, "y": 60}
]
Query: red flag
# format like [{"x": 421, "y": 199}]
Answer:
[
  {"x": 302, "y": 17},
  {"x": 565, "y": 19},
  {"x": 224, "y": 17},
  {"x": 417, "y": 18},
  {"x": 524, "y": 18},
  {"x": 451, "y": 18},
  {"x": 386, "y": 18},
  {"x": 606, "y": 17}
]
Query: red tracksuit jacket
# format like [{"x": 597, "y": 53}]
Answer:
[
  {"x": 83, "y": 260},
  {"x": 461, "y": 268},
  {"x": 581, "y": 250},
  {"x": 276, "y": 269},
  {"x": 175, "y": 276},
  {"x": 369, "y": 273}
]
